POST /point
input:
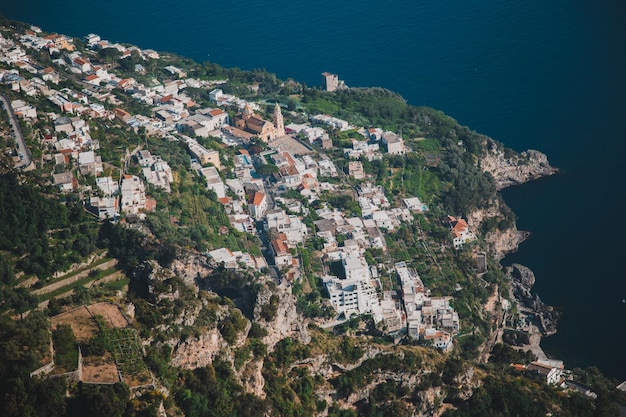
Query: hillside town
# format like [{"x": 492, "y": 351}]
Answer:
[
  {"x": 298, "y": 202},
  {"x": 249, "y": 199}
]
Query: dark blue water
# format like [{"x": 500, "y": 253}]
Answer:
[{"x": 532, "y": 74}]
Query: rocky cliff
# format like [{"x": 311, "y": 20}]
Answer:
[
  {"x": 286, "y": 322},
  {"x": 509, "y": 168},
  {"x": 522, "y": 281},
  {"x": 500, "y": 241}
]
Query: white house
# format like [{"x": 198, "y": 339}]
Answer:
[
  {"x": 280, "y": 251},
  {"x": 460, "y": 232},
  {"x": 552, "y": 374}
]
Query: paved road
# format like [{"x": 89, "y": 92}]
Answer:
[{"x": 22, "y": 150}]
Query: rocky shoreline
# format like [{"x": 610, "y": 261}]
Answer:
[{"x": 538, "y": 319}]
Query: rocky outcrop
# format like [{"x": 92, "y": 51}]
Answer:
[
  {"x": 513, "y": 169},
  {"x": 522, "y": 281},
  {"x": 191, "y": 266},
  {"x": 198, "y": 352},
  {"x": 286, "y": 322},
  {"x": 500, "y": 242},
  {"x": 252, "y": 378}
]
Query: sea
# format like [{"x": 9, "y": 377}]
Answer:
[{"x": 546, "y": 75}]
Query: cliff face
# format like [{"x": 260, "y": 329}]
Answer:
[
  {"x": 507, "y": 169},
  {"x": 198, "y": 351},
  {"x": 514, "y": 169},
  {"x": 286, "y": 322},
  {"x": 500, "y": 242},
  {"x": 190, "y": 266},
  {"x": 522, "y": 281}
]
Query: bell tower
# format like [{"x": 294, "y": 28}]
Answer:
[{"x": 278, "y": 122}]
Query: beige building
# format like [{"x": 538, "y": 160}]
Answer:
[
  {"x": 330, "y": 81},
  {"x": 265, "y": 130}
]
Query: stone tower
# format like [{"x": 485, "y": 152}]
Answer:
[
  {"x": 278, "y": 122},
  {"x": 247, "y": 111}
]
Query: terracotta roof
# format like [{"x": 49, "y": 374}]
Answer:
[
  {"x": 279, "y": 245},
  {"x": 91, "y": 77},
  {"x": 460, "y": 226},
  {"x": 216, "y": 112},
  {"x": 288, "y": 158},
  {"x": 258, "y": 198}
]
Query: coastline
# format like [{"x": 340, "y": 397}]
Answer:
[{"x": 507, "y": 172}]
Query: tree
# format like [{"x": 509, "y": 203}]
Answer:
[
  {"x": 267, "y": 170},
  {"x": 100, "y": 400}
]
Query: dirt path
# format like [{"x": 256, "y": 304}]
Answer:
[{"x": 74, "y": 278}]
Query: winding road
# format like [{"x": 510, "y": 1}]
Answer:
[{"x": 26, "y": 161}]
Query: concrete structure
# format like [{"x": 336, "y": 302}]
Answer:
[
  {"x": 414, "y": 204},
  {"x": 290, "y": 226},
  {"x": 65, "y": 181},
  {"x": 158, "y": 172},
  {"x": 355, "y": 169},
  {"x": 351, "y": 296},
  {"x": 89, "y": 163},
  {"x": 104, "y": 207},
  {"x": 107, "y": 186},
  {"x": 203, "y": 155}
]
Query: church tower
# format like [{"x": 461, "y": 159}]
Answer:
[
  {"x": 278, "y": 122},
  {"x": 247, "y": 111}
]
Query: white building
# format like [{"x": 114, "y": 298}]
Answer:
[
  {"x": 414, "y": 204},
  {"x": 394, "y": 143},
  {"x": 214, "y": 181},
  {"x": 133, "y": 195},
  {"x": 460, "y": 232},
  {"x": 290, "y": 225},
  {"x": 89, "y": 163},
  {"x": 355, "y": 267},
  {"x": 104, "y": 207},
  {"x": 155, "y": 170},
  {"x": 351, "y": 296},
  {"x": 107, "y": 186},
  {"x": 551, "y": 373}
]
